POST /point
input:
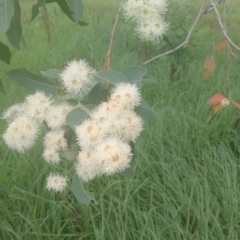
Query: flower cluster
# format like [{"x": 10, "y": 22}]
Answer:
[
  {"x": 148, "y": 14},
  {"x": 104, "y": 138}
]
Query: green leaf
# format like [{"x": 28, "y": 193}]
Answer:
[
  {"x": 146, "y": 112},
  {"x": 111, "y": 77},
  {"x": 76, "y": 8},
  {"x": 1, "y": 87},
  {"x": 64, "y": 7},
  {"x": 14, "y": 33},
  {"x": 134, "y": 74},
  {"x": 95, "y": 94},
  {"x": 70, "y": 154},
  {"x": 31, "y": 81},
  {"x": 77, "y": 115},
  {"x": 35, "y": 8},
  {"x": 5, "y": 53},
  {"x": 128, "y": 172},
  {"x": 166, "y": 39},
  {"x": 51, "y": 73},
  {"x": 82, "y": 195},
  {"x": 6, "y": 13}
]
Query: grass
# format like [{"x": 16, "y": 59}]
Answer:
[{"x": 187, "y": 173}]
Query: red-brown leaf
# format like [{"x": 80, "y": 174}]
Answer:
[
  {"x": 217, "y": 98},
  {"x": 206, "y": 74},
  {"x": 221, "y": 45},
  {"x": 210, "y": 64},
  {"x": 236, "y": 104}
]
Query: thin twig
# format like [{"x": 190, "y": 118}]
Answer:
[
  {"x": 230, "y": 51},
  {"x": 211, "y": 8},
  {"x": 107, "y": 66},
  {"x": 222, "y": 27},
  {"x": 184, "y": 43}
]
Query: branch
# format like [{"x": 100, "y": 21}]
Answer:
[
  {"x": 106, "y": 66},
  {"x": 211, "y": 8},
  {"x": 184, "y": 43},
  {"x": 222, "y": 27}
]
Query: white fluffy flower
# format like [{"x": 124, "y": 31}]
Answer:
[
  {"x": 55, "y": 140},
  {"x": 160, "y": 5},
  {"x": 225, "y": 102},
  {"x": 55, "y": 116},
  {"x": 126, "y": 94},
  {"x": 21, "y": 134},
  {"x": 113, "y": 155},
  {"x": 130, "y": 125},
  {"x": 88, "y": 133},
  {"x": 17, "y": 110},
  {"x": 131, "y": 8},
  {"x": 76, "y": 76},
  {"x": 51, "y": 156},
  {"x": 87, "y": 166},
  {"x": 148, "y": 15},
  {"x": 36, "y": 105},
  {"x": 152, "y": 30},
  {"x": 56, "y": 182}
]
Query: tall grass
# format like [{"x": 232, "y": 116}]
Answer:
[{"x": 187, "y": 173}]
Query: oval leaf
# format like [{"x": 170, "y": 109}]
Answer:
[
  {"x": 216, "y": 98},
  {"x": 95, "y": 94},
  {"x": 5, "y": 54},
  {"x": 31, "y": 81},
  {"x": 77, "y": 115},
  {"x": 111, "y": 77},
  {"x": 134, "y": 74},
  {"x": 76, "y": 7},
  {"x": 206, "y": 74},
  {"x": 210, "y": 64},
  {"x": 236, "y": 104},
  {"x": 14, "y": 33},
  {"x": 222, "y": 45},
  {"x": 51, "y": 73},
  {"x": 146, "y": 112},
  {"x": 83, "y": 196},
  {"x": 6, "y": 13},
  {"x": 217, "y": 108}
]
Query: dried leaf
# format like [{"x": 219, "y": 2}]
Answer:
[
  {"x": 216, "y": 98},
  {"x": 221, "y": 45},
  {"x": 236, "y": 104},
  {"x": 217, "y": 108},
  {"x": 210, "y": 64},
  {"x": 206, "y": 74}
]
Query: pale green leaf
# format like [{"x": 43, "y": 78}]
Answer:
[
  {"x": 76, "y": 7},
  {"x": 78, "y": 115},
  {"x": 51, "y": 73},
  {"x": 134, "y": 74},
  {"x": 6, "y": 13},
  {"x": 112, "y": 77},
  {"x": 14, "y": 33},
  {"x": 31, "y": 81},
  {"x": 82, "y": 195},
  {"x": 146, "y": 112}
]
